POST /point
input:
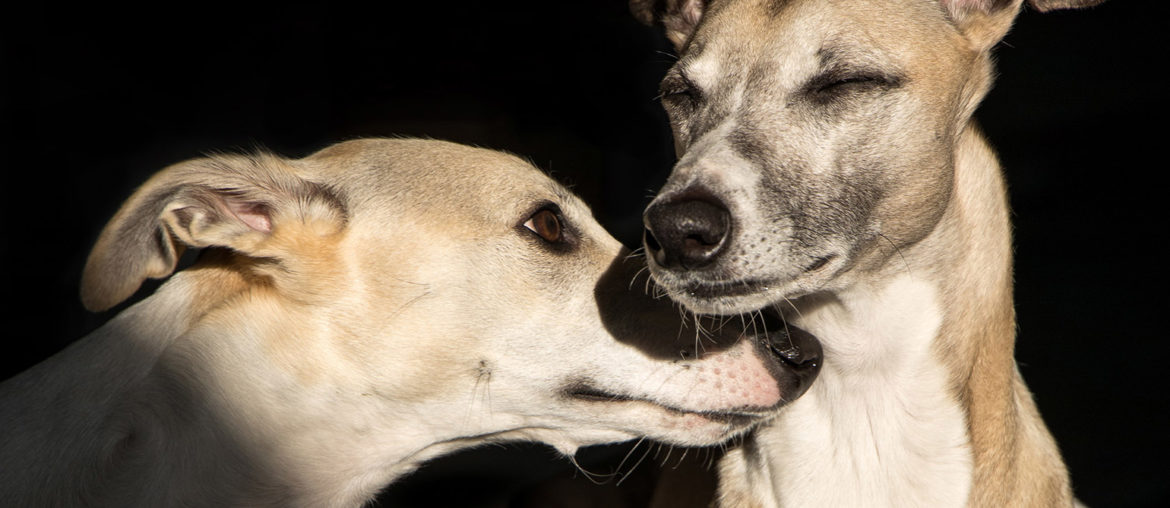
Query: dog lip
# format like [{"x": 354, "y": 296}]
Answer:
[
  {"x": 718, "y": 289},
  {"x": 586, "y": 392}
]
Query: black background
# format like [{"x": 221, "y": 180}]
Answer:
[{"x": 94, "y": 99}]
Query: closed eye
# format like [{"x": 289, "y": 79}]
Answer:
[
  {"x": 857, "y": 80},
  {"x": 835, "y": 85},
  {"x": 677, "y": 88}
]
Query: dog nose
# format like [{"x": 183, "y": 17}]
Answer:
[
  {"x": 798, "y": 353},
  {"x": 686, "y": 233}
]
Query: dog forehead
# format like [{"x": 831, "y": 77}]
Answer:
[
  {"x": 791, "y": 38},
  {"x": 462, "y": 190},
  {"x": 752, "y": 40},
  {"x": 422, "y": 171}
]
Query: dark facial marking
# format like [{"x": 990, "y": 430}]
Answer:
[{"x": 751, "y": 144}]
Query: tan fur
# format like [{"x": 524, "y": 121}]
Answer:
[
  {"x": 941, "y": 214},
  {"x": 352, "y": 315}
]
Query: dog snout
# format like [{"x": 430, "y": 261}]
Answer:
[{"x": 687, "y": 232}]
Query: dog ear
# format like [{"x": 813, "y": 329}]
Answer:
[
  {"x": 985, "y": 22},
  {"x": 1052, "y": 5},
  {"x": 237, "y": 202},
  {"x": 679, "y": 17},
  {"x": 982, "y": 22}
]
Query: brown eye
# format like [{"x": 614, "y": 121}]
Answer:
[{"x": 547, "y": 225}]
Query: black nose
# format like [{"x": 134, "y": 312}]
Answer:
[
  {"x": 799, "y": 353},
  {"x": 686, "y": 233}
]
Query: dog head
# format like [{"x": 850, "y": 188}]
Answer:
[
  {"x": 455, "y": 294},
  {"x": 816, "y": 139}
]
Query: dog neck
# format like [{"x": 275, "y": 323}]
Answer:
[
  {"x": 283, "y": 416},
  {"x": 880, "y": 427},
  {"x": 919, "y": 402},
  {"x": 170, "y": 391}
]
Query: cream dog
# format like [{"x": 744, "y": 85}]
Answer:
[
  {"x": 829, "y": 170},
  {"x": 355, "y": 313}
]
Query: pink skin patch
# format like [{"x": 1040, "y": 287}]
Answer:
[
  {"x": 733, "y": 379},
  {"x": 254, "y": 215}
]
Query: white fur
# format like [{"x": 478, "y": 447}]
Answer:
[{"x": 877, "y": 428}]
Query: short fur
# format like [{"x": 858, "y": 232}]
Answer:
[
  {"x": 355, "y": 313},
  {"x": 860, "y": 200}
]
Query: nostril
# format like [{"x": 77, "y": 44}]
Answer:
[
  {"x": 649, "y": 241},
  {"x": 653, "y": 248}
]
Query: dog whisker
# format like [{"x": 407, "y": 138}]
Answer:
[
  {"x": 663, "y": 450},
  {"x": 634, "y": 279},
  {"x": 666, "y": 456},
  {"x": 898, "y": 250},
  {"x": 640, "y": 252},
  {"x": 589, "y": 475},
  {"x": 659, "y": 292},
  {"x": 672, "y": 56},
  {"x": 700, "y": 332},
  {"x": 480, "y": 392},
  {"x": 617, "y": 469},
  {"x": 635, "y": 466},
  {"x": 681, "y": 458},
  {"x": 722, "y": 321},
  {"x": 787, "y": 332}
]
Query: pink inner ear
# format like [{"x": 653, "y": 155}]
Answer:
[
  {"x": 692, "y": 11},
  {"x": 254, "y": 215}
]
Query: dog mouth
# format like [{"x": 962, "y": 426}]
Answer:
[
  {"x": 713, "y": 289},
  {"x": 584, "y": 391},
  {"x": 721, "y": 289}
]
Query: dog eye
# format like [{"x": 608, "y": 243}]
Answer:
[
  {"x": 677, "y": 88},
  {"x": 842, "y": 84},
  {"x": 833, "y": 86},
  {"x": 677, "y": 92},
  {"x": 547, "y": 225}
]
